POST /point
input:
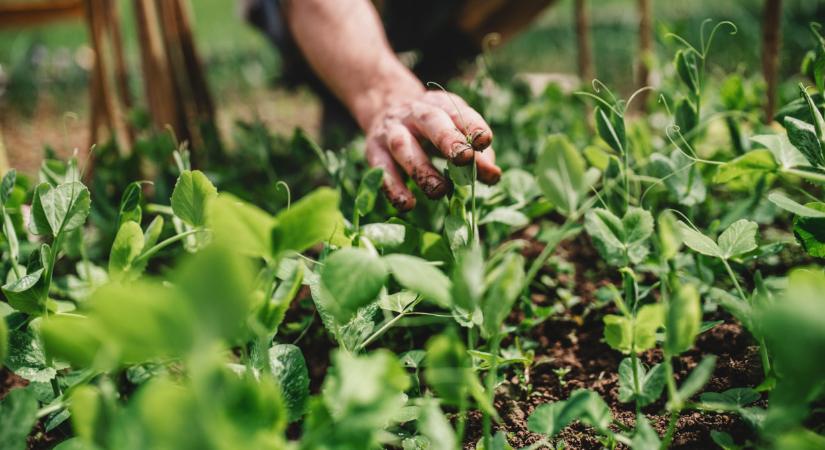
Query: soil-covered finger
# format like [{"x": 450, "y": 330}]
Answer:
[
  {"x": 411, "y": 157},
  {"x": 434, "y": 124},
  {"x": 465, "y": 118},
  {"x": 488, "y": 171},
  {"x": 393, "y": 185}
]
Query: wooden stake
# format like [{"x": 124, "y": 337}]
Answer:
[
  {"x": 585, "y": 58},
  {"x": 771, "y": 42},
  {"x": 645, "y": 53}
]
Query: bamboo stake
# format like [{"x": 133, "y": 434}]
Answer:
[
  {"x": 771, "y": 42},
  {"x": 645, "y": 52}
]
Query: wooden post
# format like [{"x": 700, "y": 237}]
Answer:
[
  {"x": 645, "y": 53},
  {"x": 585, "y": 58},
  {"x": 771, "y": 43}
]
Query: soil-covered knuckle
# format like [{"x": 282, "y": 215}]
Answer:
[{"x": 431, "y": 182}]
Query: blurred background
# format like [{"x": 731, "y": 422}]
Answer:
[{"x": 45, "y": 69}]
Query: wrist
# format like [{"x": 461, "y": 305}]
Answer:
[{"x": 386, "y": 87}]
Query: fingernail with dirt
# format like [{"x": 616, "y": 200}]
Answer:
[
  {"x": 480, "y": 139},
  {"x": 462, "y": 153},
  {"x": 433, "y": 186}
]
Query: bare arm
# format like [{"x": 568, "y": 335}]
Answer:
[{"x": 344, "y": 42}]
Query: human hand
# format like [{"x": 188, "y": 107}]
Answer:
[{"x": 445, "y": 120}]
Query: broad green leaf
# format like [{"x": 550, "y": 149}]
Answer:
[
  {"x": 448, "y": 369},
  {"x": 28, "y": 293},
  {"x": 272, "y": 312},
  {"x": 59, "y": 209},
  {"x": 397, "y": 302},
  {"x": 365, "y": 390},
  {"x": 783, "y": 151},
  {"x": 697, "y": 378},
  {"x": 803, "y": 136},
  {"x": 468, "y": 278},
  {"x": 670, "y": 238},
  {"x": 418, "y": 275},
  {"x": 627, "y": 334},
  {"x": 732, "y": 397},
  {"x": 586, "y": 406},
  {"x": 504, "y": 284},
  {"x": 19, "y": 412},
  {"x": 384, "y": 235},
  {"x": 86, "y": 407},
  {"x": 241, "y": 226},
  {"x": 520, "y": 185},
  {"x": 620, "y": 241},
  {"x": 651, "y": 383},
  {"x": 645, "y": 437},
  {"x": 435, "y": 426},
  {"x": 739, "y": 238},
  {"x": 507, "y": 216},
  {"x": 191, "y": 196},
  {"x": 684, "y": 317},
  {"x": 313, "y": 219},
  {"x": 699, "y": 242},
  {"x": 560, "y": 173},
  {"x": 681, "y": 176},
  {"x": 779, "y": 199},
  {"x": 810, "y": 231},
  {"x": 752, "y": 164},
  {"x": 611, "y": 129},
  {"x": 287, "y": 365},
  {"x": 368, "y": 190},
  {"x": 127, "y": 246},
  {"x": 353, "y": 277},
  {"x": 27, "y": 359}
]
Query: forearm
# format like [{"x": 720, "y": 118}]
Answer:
[{"x": 344, "y": 42}]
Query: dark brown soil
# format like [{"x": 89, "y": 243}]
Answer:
[{"x": 575, "y": 341}]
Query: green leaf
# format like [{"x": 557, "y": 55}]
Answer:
[
  {"x": 810, "y": 231},
  {"x": 627, "y": 334},
  {"x": 397, "y": 302},
  {"x": 739, "y": 238},
  {"x": 7, "y": 186},
  {"x": 803, "y": 136},
  {"x": 783, "y": 151},
  {"x": 507, "y": 216},
  {"x": 368, "y": 190},
  {"x": 191, "y": 196},
  {"x": 287, "y": 365},
  {"x": 688, "y": 69},
  {"x": 241, "y": 226},
  {"x": 313, "y": 219},
  {"x": 468, "y": 278},
  {"x": 27, "y": 359},
  {"x": 354, "y": 277},
  {"x": 19, "y": 413},
  {"x": 504, "y": 284},
  {"x": 28, "y": 293},
  {"x": 779, "y": 199},
  {"x": 418, "y": 275},
  {"x": 752, "y": 164},
  {"x": 670, "y": 238},
  {"x": 686, "y": 115},
  {"x": 448, "y": 369},
  {"x": 59, "y": 209},
  {"x": 645, "y": 437},
  {"x": 684, "y": 317},
  {"x": 86, "y": 408},
  {"x": 651, "y": 383},
  {"x": 127, "y": 246},
  {"x": 735, "y": 397},
  {"x": 697, "y": 378},
  {"x": 384, "y": 235},
  {"x": 435, "y": 426},
  {"x": 681, "y": 176},
  {"x": 586, "y": 406},
  {"x": 129, "y": 209},
  {"x": 560, "y": 173},
  {"x": 620, "y": 242},
  {"x": 699, "y": 242},
  {"x": 611, "y": 129}
]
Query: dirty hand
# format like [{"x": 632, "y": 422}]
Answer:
[{"x": 445, "y": 120}]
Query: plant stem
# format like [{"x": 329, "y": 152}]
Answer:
[
  {"x": 473, "y": 220},
  {"x": 389, "y": 324},
  {"x": 165, "y": 243},
  {"x": 490, "y": 386},
  {"x": 462, "y": 421},
  {"x": 673, "y": 394},
  {"x": 763, "y": 349}
]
